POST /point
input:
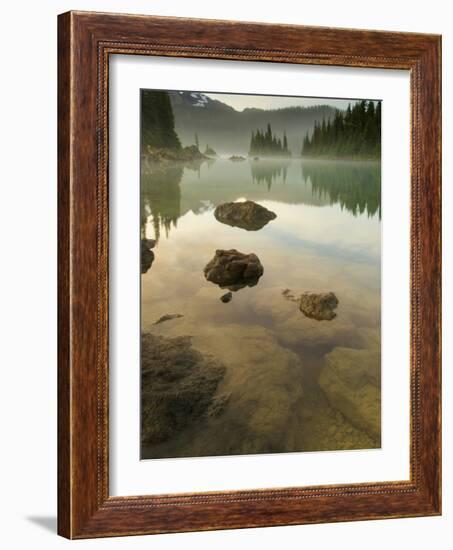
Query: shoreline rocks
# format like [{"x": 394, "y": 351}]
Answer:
[
  {"x": 247, "y": 215},
  {"x": 233, "y": 270},
  {"x": 164, "y": 154}
]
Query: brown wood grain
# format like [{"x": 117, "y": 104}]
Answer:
[{"x": 86, "y": 40}]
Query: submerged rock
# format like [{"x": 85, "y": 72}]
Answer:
[
  {"x": 247, "y": 215},
  {"x": 262, "y": 390},
  {"x": 288, "y": 295},
  {"x": 168, "y": 317},
  {"x": 226, "y": 297},
  {"x": 351, "y": 381},
  {"x": 233, "y": 270},
  {"x": 178, "y": 384},
  {"x": 146, "y": 254},
  {"x": 318, "y": 306},
  {"x": 218, "y": 405}
]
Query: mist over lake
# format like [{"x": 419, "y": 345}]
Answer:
[{"x": 261, "y": 279}]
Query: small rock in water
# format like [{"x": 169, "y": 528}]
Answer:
[
  {"x": 233, "y": 270},
  {"x": 247, "y": 215},
  {"x": 226, "y": 297},
  {"x": 146, "y": 254},
  {"x": 318, "y": 306},
  {"x": 168, "y": 317}
]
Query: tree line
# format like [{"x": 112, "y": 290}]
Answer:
[
  {"x": 158, "y": 122},
  {"x": 268, "y": 144},
  {"x": 355, "y": 132}
]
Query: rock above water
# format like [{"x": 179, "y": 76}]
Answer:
[
  {"x": 149, "y": 243},
  {"x": 146, "y": 254},
  {"x": 237, "y": 158},
  {"x": 318, "y": 306},
  {"x": 233, "y": 270},
  {"x": 247, "y": 215},
  {"x": 178, "y": 384}
]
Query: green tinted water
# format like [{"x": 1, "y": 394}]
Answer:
[{"x": 292, "y": 383}]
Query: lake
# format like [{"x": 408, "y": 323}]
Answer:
[{"x": 286, "y": 382}]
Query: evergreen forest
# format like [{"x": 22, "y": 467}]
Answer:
[
  {"x": 267, "y": 144},
  {"x": 354, "y": 133}
]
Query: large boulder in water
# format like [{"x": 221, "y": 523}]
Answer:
[
  {"x": 178, "y": 386},
  {"x": 233, "y": 270},
  {"x": 247, "y": 215},
  {"x": 319, "y": 306},
  {"x": 351, "y": 381}
]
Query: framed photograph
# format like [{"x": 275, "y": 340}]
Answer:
[{"x": 249, "y": 275}]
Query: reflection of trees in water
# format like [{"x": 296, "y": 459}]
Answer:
[
  {"x": 161, "y": 194},
  {"x": 269, "y": 172},
  {"x": 354, "y": 186},
  {"x": 161, "y": 197}
]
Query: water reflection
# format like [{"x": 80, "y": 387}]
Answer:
[
  {"x": 356, "y": 186},
  {"x": 269, "y": 171},
  {"x": 170, "y": 191},
  {"x": 283, "y": 368},
  {"x": 161, "y": 197}
]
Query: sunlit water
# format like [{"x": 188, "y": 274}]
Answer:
[{"x": 326, "y": 237}]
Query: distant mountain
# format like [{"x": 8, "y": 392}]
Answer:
[
  {"x": 198, "y": 100},
  {"x": 229, "y": 131}
]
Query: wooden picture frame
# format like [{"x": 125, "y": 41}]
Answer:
[{"x": 85, "y": 42}]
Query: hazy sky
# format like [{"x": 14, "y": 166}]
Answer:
[{"x": 240, "y": 102}]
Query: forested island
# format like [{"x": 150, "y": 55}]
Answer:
[
  {"x": 354, "y": 133},
  {"x": 267, "y": 144}
]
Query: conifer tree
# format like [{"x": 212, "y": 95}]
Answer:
[
  {"x": 267, "y": 144},
  {"x": 355, "y": 132}
]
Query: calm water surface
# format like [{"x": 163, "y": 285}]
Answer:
[{"x": 326, "y": 237}]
